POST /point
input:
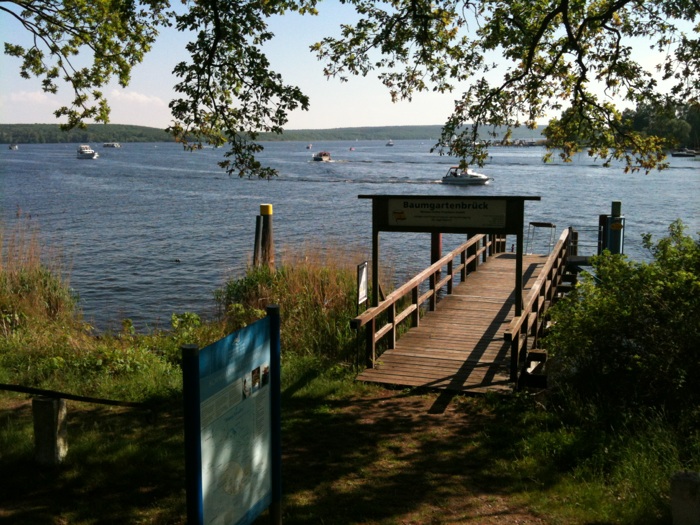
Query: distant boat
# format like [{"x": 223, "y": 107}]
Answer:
[
  {"x": 322, "y": 156},
  {"x": 352, "y": 149},
  {"x": 684, "y": 153},
  {"x": 390, "y": 143},
  {"x": 14, "y": 146},
  {"x": 86, "y": 152},
  {"x": 465, "y": 177},
  {"x": 111, "y": 145},
  {"x": 309, "y": 146}
]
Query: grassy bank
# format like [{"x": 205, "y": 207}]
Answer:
[{"x": 352, "y": 453}]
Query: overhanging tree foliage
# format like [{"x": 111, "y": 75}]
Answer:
[
  {"x": 510, "y": 63},
  {"x": 115, "y": 34},
  {"x": 228, "y": 90},
  {"x": 519, "y": 61}
]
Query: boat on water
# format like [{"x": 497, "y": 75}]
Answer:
[
  {"x": 111, "y": 145},
  {"x": 14, "y": 146},
  {"x": 86, "y": 152},
  {"x": 322, "y": 156},
  {"x": 309, "y": 146},
  {"x": 465, "y": 177},
  {"x": 684, "y": 153},
  {"x": 390, "y": 143}
]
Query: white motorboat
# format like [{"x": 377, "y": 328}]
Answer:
[
  {"x": 111, "y": 145},
  {"x": 86, "y": 152},
  {"x": 684, "y": 153},
  {"x": 465, "y": 177},
  {"x": 322, "y": 156}
]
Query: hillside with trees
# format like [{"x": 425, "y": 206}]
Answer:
[{"x": 52, "y": 133}]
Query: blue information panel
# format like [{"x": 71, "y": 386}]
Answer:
[{"x": 235, "y": 423}]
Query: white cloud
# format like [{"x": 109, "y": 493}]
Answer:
[
  {"x": 29, "y": 97},
  {"x": 27, "y": 107},
  {"x": 134, "y": 107},
  {"x": 134, "y": 97}
]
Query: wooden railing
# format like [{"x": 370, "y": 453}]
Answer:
[
  {"x": 526, "y": 329},
  {"x": 459, "y": 262}
]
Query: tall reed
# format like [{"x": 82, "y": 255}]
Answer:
[
  {"x": 44, "y": 341},
  {"x": 316, "y": 288},
  {"x": 32, "y": 287}
]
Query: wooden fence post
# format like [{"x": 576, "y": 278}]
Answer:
[
  {"x": 50, "y": 433},
  {"x": 267, "y": 241},
  {"x": 685, "y": 498}
]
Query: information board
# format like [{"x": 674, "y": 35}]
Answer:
[{"x": 234, "y": 446}]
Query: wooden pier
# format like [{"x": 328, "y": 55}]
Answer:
[
  {"x": 467, "y": 337},
  {"x": 471, "y": 321},
  {"x": 460, "y": 346}
]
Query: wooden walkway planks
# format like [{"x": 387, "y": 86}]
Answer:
[{"x": 460, "y": 347}]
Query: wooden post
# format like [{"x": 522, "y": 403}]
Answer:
[
  {"x": 375, "y": 268},
  {"x": 273, "y": 312},
  {"x": 573, "y": 243},
  {"x": 50, "y": 433},
  {"x": 685, "y": 498},
  {"x": 257, "y": 247},
  {"x": 435, "y": 248},
  {"x": 435, "y": 256},
  {"x": 267, "y": 243}
]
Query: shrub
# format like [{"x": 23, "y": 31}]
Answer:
[{"x": 626, "y": 340}]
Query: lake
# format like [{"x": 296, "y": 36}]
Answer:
[{"x": 149, "y": 229}]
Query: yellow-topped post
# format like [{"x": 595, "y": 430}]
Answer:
[{"x": 267, "y": 240}]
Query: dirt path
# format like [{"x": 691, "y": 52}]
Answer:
[{"x": 397, "y": 458}]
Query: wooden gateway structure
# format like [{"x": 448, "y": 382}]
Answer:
[{"x": 471, "y": 321}]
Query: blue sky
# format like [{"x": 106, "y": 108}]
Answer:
[{"x": 360, "y": 102}]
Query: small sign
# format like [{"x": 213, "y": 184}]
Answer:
[
  {"x": 362, "y": 282},
  {"x": 447, "y": 213}
]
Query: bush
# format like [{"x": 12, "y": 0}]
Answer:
[{"x": 626, "y": 340}]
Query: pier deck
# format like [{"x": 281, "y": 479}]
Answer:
[{"x": 460, "y": 346}]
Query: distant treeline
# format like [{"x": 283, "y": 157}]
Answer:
[
  {"x": 51, "y": 133},
  {"x": 368, "y": 133}
]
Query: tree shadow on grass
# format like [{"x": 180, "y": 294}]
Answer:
[
  {"x": 380, "y": 458},
  {"x": 123, "y": 466},
  {"x": 387, "y": 459}
]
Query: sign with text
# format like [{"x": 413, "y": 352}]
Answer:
[
  {"x": 449, "y": 212},
  {"x": 232, "y": 409}
]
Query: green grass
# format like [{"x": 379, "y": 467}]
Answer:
[{"x": 352, "y": 453}]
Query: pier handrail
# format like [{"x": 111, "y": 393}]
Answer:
[
  {"x": 542, "y": 294},
  {"x": 480, "y": 246}
]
